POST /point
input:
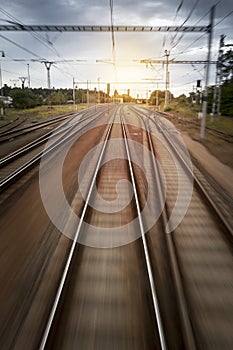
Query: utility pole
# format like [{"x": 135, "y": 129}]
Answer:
[
  {"x": 74, "y": 102},
  {"x": 87, "y": 94},
  {"x": 29, "y": 80},
  {"x": 95, "y": 96},
  {"x": 205, "y": 94},
  {"x": 3, "y": 55},
  {"x": 23, "y": 79},
  {"x": 98, "y": 90},
  {"x": 14, "y": 81},
  {"x": 48, "y": 65},
  {"x": 166, "y": 81},
  {"x": 218, "y": 81},
  {"x": 157, "y": 98}
]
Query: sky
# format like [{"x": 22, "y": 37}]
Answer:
[{"x": 130, "y": 48}]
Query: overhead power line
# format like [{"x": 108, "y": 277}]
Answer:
[
  {"x": 37, "y": 36},
  {"x": 173, "y": 44},
  {"x": 47, "y": 43},
  {"x": 200, "y": 37},
  {"x": 174, "y": 20},
  {"x": 113, "y": 37},
  {"x": 20, "y": 46},
  {"x": 179, "y": 7},
  {"x": 224, "y": 18}
]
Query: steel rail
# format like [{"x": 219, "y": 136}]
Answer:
[
  {"x": 28, "y": 147},
  {"x": 11, "y": 125},
  {"x": 34, "y": 160},
  {"x": 198, "y": 184},
  {"x": 5, "y": 136},
  {"x": 146, "y": 251},
  {"x": 227, "y": 226},
  {"x": 75, "y": 240},
  {"x": 42, "y": 139},
  {"x": 183, "y": 308}
]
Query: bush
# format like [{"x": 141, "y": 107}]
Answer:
[
  {"x": 168, "y": 109},
  {"x": 24, "y": 98}
]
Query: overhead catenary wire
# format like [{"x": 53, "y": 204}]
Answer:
[
  {"x": 18, "y": 74},
  {"x": 177, "y": 54},
  {"x": 113, "y": 38},
  {"x": 178, "y": 10},
  {"x": 197, "y": 39},
  {"x": 47, "y": 43},
  {"x": 226, "y": 16},
  {"x": 37, "y": 36},
  {"x": 21, "y": 47},
  {"x": 198, "y": 70},
  {"x": 165, "y": 34},
  {"x": 61, "y": 70},
  {"x": 202, "y": 35},
  {"x": 173, "y": 43}
]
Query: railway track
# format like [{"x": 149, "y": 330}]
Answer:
[
  {"x": 213, "y": 198},
  {"x": 148, "y": 293},
  {"x": 16, "y": 164},
  {"x": 19, "y": 132},
  {"x": 58, "y": 313},
  {"x": 11, "y": 125},
  {"x": 203, "y": 223}
]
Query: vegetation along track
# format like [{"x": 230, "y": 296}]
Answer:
[{"x": 196, "y": 124}]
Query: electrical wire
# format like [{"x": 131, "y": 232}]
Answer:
[
  {"x": 18, "y": 74},
  {"x": 227, "y": 15},
  {"x": 47, "y": 43},
  {"x": 174, "y": 20},
  {"x": 198, "y": 70},
  {"x": 21, "y": 47},
  {"x": 61, "y": 70},
  {"x": 39, "y": 59},
  {"x": 37, "y": 36},
  {"x": 178, "y": 10},
  {"x": 224, "y": 18},
  {"x": 177, "y": 54},
  {"x": 113, "y": 39},
  {"x": 173, "y": 43}
]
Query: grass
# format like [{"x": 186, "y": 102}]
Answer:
[
  {"x": 187, "y": 111},
  {"x": 218, "y": 147},
  {"x": 224, "y": 124},
  {"x": 37, "y": 113}
]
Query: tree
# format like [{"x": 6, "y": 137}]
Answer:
[
  {"x": 59, "y": 98},
  {"x": 227, "y": 98},
  {"x": 153, "y": 97},
  {"x": 23, "y": 98},
  {"x": 227, "y": 86},
  {"x": 182, "y": 99},
  {"x": 227, "y": 65}
]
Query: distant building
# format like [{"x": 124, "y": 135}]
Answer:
[
  {"x": 7, "y": 100},
  {"x": 118, "y": 99}
]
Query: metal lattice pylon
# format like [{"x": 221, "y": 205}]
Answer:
[{"x": 218, "y": 80}]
